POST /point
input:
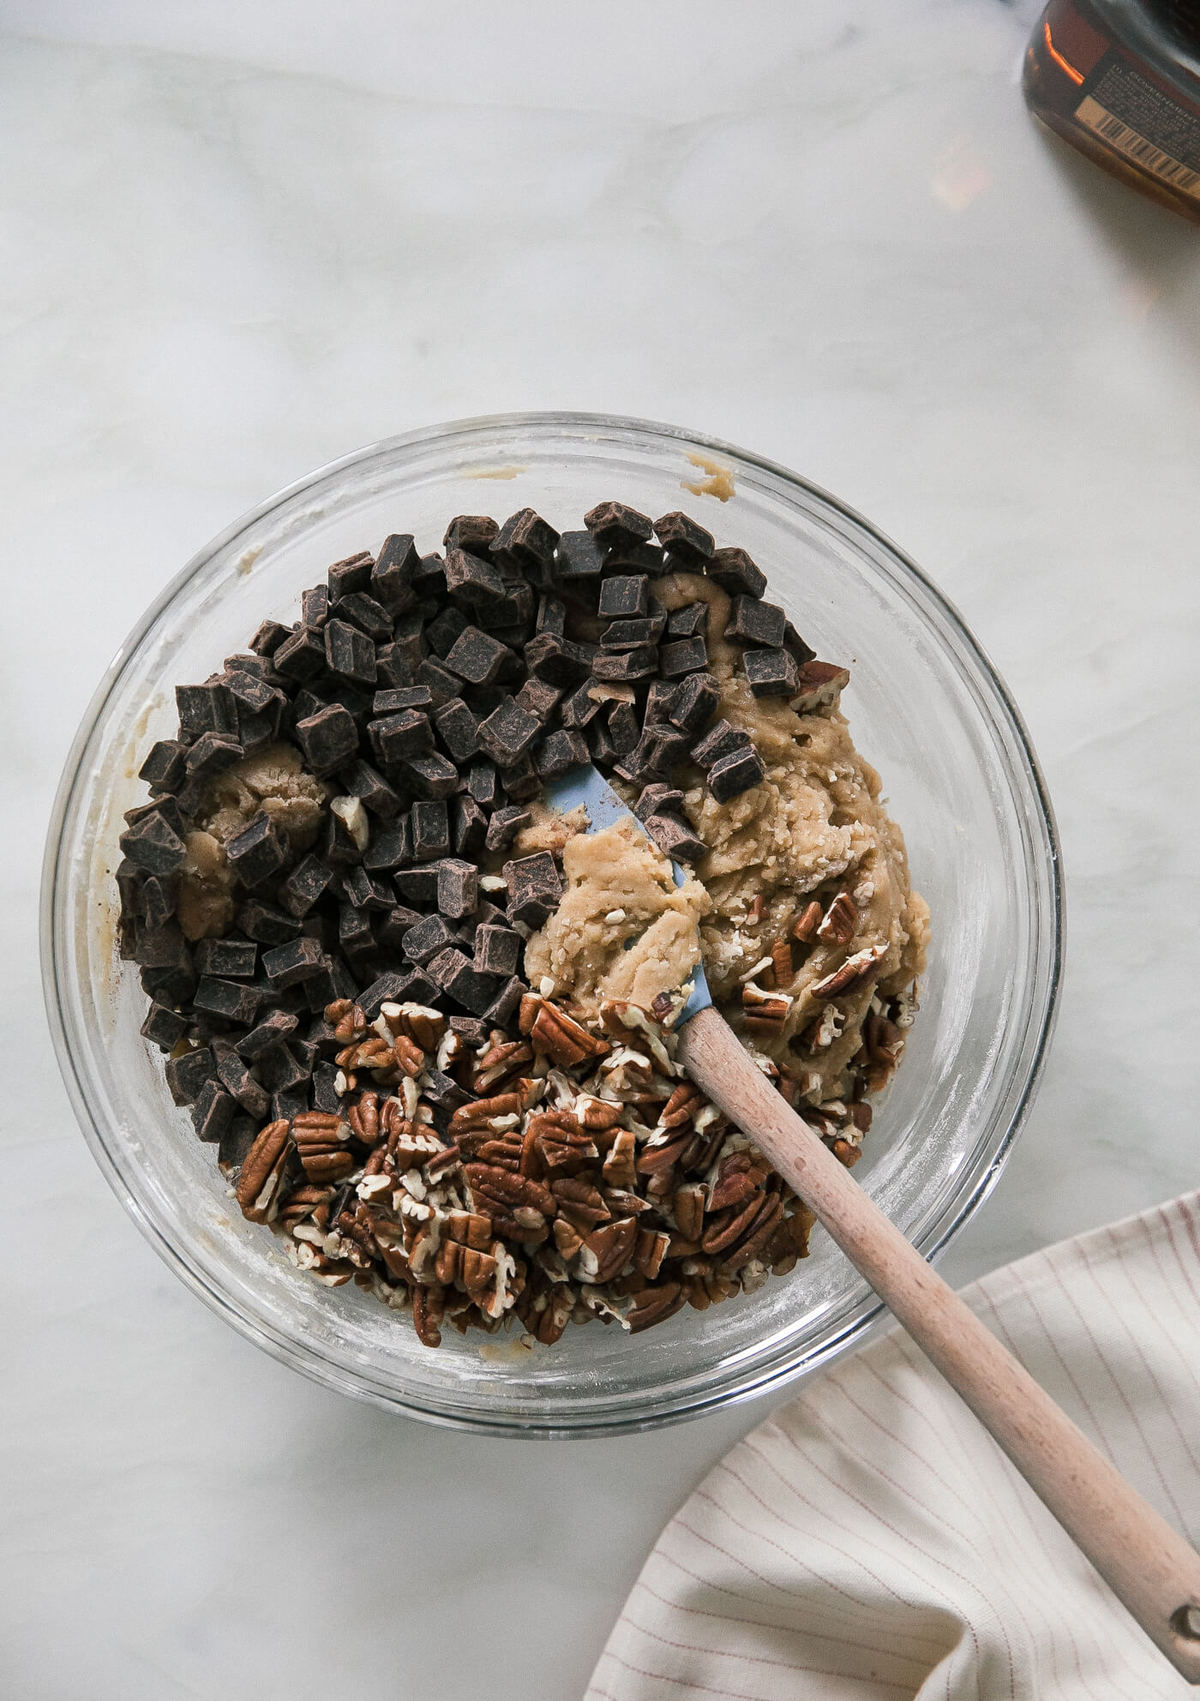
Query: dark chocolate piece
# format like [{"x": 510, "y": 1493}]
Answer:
[
  {"x": 625, "y": 634},
  {"x": 164, "y": 768},
  {"x": 794, "y": 643},
  {"x": 390, "y": 846},
  {"x": 307, "y": 882},
  {"x": 431, "y": 776},
  {"x": 349, "y": 653},
  {"x": 695, "y": 703},
  {"x": 477, "y": 658},
  {"x": 683, "y": 655},
  {"x": 265, "y": 923},
  {"x": 240, "y": 1084},
  {"x": 325, "y": 1096},
  {"x": 559, "y": 752},
  {"x": 163, "y": 1026},
  {"x": 416, "y": 885},
  {"x": 685, "y": 541},
  {"x": 302, "y": 655},
  {"x": 616, "y": 525},
  {"x": 328, "y": 739},
  {"x": 391, "y": 701},
  {"x": 394, "y": 666},
  {"x": 472, "y": 580},
  {"x": 468, "y": 827},
  {"x": 600, "y": 743},
  {"x": 451, "y": 970},
  {"x": 722, "y": 740},
  {"x": 394, "y": 738},
  {"x": 366, "y": 783},
  {"x": 233, "y": 1001},
  {"x": 368, "y": 615},
  {"x": 363, "y": 891},
  {"x": 258, "y": 852},
  {"x": 756, "y": 622},
  {"x": 431, "y": 935},
  {"x": 153, "y": 844},
  {"x": 458, "y": 887},
  {"x": 579, "y": 556},
  {"x": 497, "y": 950},
  {"x": 314, "y": 606},
  {"x": 292, "y": 1101},
  {"x": 690, "y": 621},
  {"x": 458, "y": 730},
  {"x": 281, "y": 1070},
  {"x": 504, "y": 826},
  {"x": 275, "y": 1027},
  {"x": 539, "y": 699},
  {"x": 391, "y": 581},
  {"x": 439, "y": 681},
  {"x": 444, "y": 630},
  {"x": 660, "y": 699},
  {"x": 527, "y": 541},
  {"x": 636, "y": 558},
  {"x": 430, "y": 829},
  {"x": 737, "y": 573},
  {"x": 623, "y": 727},
  {"x": 534, "y": 888},
  {"x": 580, "y": 708},
  {"x": 734, "y": 774},
  {"x": 268, "y": 638},
  {"x": 393, "y": 925},
  {"x": 659, "y": 748},
  {"x": 212, "y": 1113},
  {"x": 771, "y": 673},
  {"x": 623, "y": 596},
  {"x": 473, "y": 1029},
  {"x": 557, "y": 660},
  {"x": 429, "y": 579},
  {"x": 507, "y": 733},
  {"x": 483, "y": 784},
  {"x": 638, "y": 663},
  {"x": 473, "y": 532},
  {"x": 387, "y": 989},
  {"x": 231, "y": 959},
  {"x": 657, "y": 799},
  {"x": 351, "y": 574},
  {"x": 506, "y": 1003},
  {"x": 286, "y": 965},
  {"x": 212, "y": 752},
  {"x": 675, "y": 838},
  {"x": 204, "y": 708},
  {"x": 187, "y": 1073}
]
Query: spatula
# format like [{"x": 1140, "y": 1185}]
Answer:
[{"x": 1149, "y": 1567}]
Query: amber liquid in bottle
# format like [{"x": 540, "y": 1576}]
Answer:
[{"x": 1120, "y": 81}]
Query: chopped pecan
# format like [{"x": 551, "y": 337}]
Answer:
[
  {"x": 500, "y": 1065},
  {"x": 762, "y": 1227},
  {"x": 579, "y": 1202},
  {"x": 726, "y": 1228},
  {"x": 262, "y": 1173},
  {"x": 565, "y": 1041},
  {"x": 681, "y": 1107},
  {"x": 649, "y": 1251},
  {"x": 363, "y": 1118},
  {"x": 416, "y": 1022},
  {"x": 804, "y": 928},
  {"x": 428, "y": 1308},
  {"x": 565, "y": 1147},
  {"x": 782, "y": 962},
  {"x": 654, "y": 1305},
  {"x": 840, "y": 920},
  {"x": 501, "y": 1194},
  {"x": 855, "y": 969},
  {"x": 820, "y": 686},
  {"x": 607, "y": 1250},
  {"x": 497, "y": 1113},
  {"x": 687, "y": 1207},
  {"x": 739, "y": 1176},
  {"x": 620, "y": 1166}
]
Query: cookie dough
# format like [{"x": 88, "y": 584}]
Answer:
[{"x": 623, "y": 928}]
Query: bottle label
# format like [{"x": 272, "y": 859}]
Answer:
[{"x": 1138, "y": 120}]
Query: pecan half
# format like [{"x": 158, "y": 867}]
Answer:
[
  {"x": 258, "y": 1184},
  {"x": 654, "y": 1305},
  {"x": 856, "y": 968},
  {"x": 606, "y": 1251},
  {"x": 840, "y": 920},
  {"x": 804, "y": 928}
]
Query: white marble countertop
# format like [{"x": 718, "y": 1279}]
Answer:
[{"x": 243, "y": 240}]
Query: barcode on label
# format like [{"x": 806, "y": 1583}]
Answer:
[{"x": 1135, "y": 146}]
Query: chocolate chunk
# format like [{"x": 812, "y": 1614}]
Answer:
[
  {"x": 163, "y": 947},
  {"x": 415, "y": 987},
  {"x": 391, "y": 701},
  {"x": 660, "y": 700},
  {"x": 307, "y": 882},
  {"x": 690, "y": 621},
  {"x": 439, "y": 681},
  {"x": 204, "y": 708},
  {"x": 497, "y": 950},
  {"x": 355, "y": 939},
  {"x": 736, "y": 573},
  {"x": 452, "y": 971},
  {"x": 443, "y": 1090},
  {"x": 394, "y": 666},
  {"x": 624, "y": 595},
  {"x": 429, "y": 578},
  {"x": 368, "y": 615},
  {"x": 538, "y": 699},
  {"x": 328, "y": 739},
  {"x": 187, "y": 1074},
  {"x": 614, "y": 524},
  {"x": 468, "y": 827},
  {"x": 233, "y": 1001},
  {"x": 314, "y": 606},
  {"x": 458, "y": 887},
  {"x": 458, "y": 730},
  {"x": 473, "y": 1029},
  {"x": 686, "y": 542},
  {"x": 256, "y": 730},
  {"x": 163, "y": 1026},
  {"x": 431, "y": 935},
  {"x": 625, "y": 634},
  {"x": 171, "y": 984},
  {"x": 349, "y": 653},
  {"x": 695, "y": 703},
  {"x": 212, "y": 1113},
  {"x": 579, "y": 556},
  {"x": 521, "y": 781},
  {"x": 734, "y": 774},
  {"x": 265, "y": 923},
  {"x": 755, "y": 622},
  {"x": 417, "y": 885},
  {"x": 658, "y": 749},
  {"x": 477, "y": 658},
  {"x": 390, "y": 846},
  {"x": 366, "y": 783},
  {"x": 278, "y": 1025},
  {"x": 258, "y": 852},
  {"x": 483, "y": 784},
  {"x": 391, "y": 927},
  {"x": 269, "y": 637},
  {"x": 771, "y": 673},
  {"x": 391, "y": 581},
  {"x": 430, "y": 830},
  {"x": 240, "y": 1084},
  {"x": 471, "y": 580},
  {"x": 559, "y": 752},
  {"x": 657, "y": 799},
  {"x": 794, "y": 643},
  {"x": 351, "y": 574},
  {"x": 623, "y": 727},
  {"x": 325, "y": 1096},
  {"x": 164, "y": 768},
  {"x": 580, "y": 708},
  {"x": 472, "y": 532},
  {"x": 526, "y": 541},
  {"x": 153, "y": 844},
  {"x": 638, "y": 663},
  {"x": 431, "y": 776},
  {"x": 443, "y": 630},
  {"x": 504, "y": 826},
  {"x": 281, "y": 1070},
  {"x": 551, "y": 616},
  {"x": 363, "y": 891},
  {"x": 636, "y": 558},
  {"x": 684, "y": 655},
  {"x": 231, "y": 959},
  {"x": 396, "y": 737},
  {"x": 251, "y": 693},
  {"x": 506, "y": 1003},
  {"x": 534, "y": 888},
  {"x": 723, "y": 740},
  {"x": 507, "y": 733},
  {"x": 302, "y": 655},
  {"x": 286, "y": 965},
  {"x": 604, "y": 751},
  {"x": 290, "y": 1102},
  {"x": 675, "y": 838},
  {"x": 557, "y": 660}
]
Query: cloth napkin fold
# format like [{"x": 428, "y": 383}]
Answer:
[{"x": 870, "y": 1542}]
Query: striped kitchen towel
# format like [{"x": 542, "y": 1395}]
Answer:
[{"x": 870, "y": 1542}]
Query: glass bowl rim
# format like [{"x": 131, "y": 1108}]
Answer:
[{"x": 292, "y": 1350}]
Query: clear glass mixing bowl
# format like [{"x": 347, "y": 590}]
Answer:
[{"x": 925, "y": 707}]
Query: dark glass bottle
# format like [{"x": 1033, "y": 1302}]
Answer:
[{"x": 1120, "y": 80}]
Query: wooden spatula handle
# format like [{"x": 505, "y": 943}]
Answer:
[{"x": 1147, "y": 1564}]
